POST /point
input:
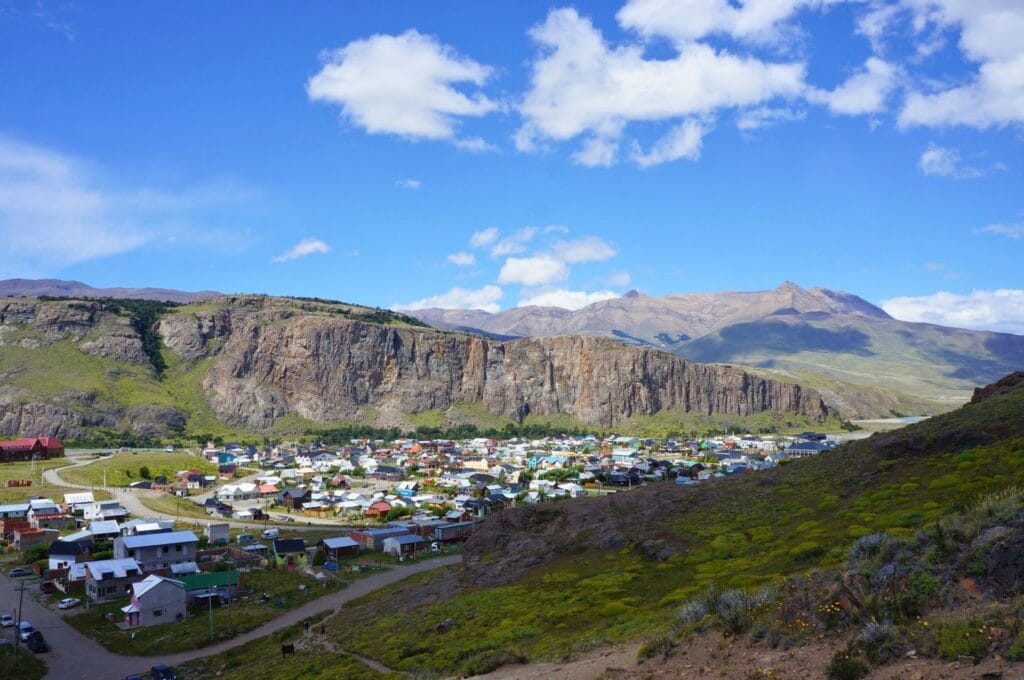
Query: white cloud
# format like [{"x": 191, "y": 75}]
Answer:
[
  {"x": 586, "y": 249},
  {"x": 619, "y": 279},
  {"x": 462, "y": 259},
  {"x": 540, "y": 270},
  {"x": 933, "y": 266},
  {"x": 943, "y": 162},
  {"x": 409, "y": 183},
  {"x": 566, "y": 299},
  {"x": 516, "y": 243},
  {"x": 307, "y": 246},
  {"x": 1012, "y": 231},
  {"x": 990, "y": 35},
  {"x": 54, "y": 213},
  {"x": 403, "y": 85},
  {"x": 682, "y": 141},
  {"x": 864, "y": 92},
  {"x": 485, "y": 298},
  {"x": 994, "y": 310},
  {"x": 688, "y": 20},
  {"x": 876, "y": 23},
  {"x": 484, "y": 237},
  {"x": 764, "y": 116},
  {"x": 582, "y": 87}
]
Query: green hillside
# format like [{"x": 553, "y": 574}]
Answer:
[{"x": 739, "y": 532}]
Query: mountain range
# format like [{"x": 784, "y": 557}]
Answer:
[
  {"x": 865, "y": 363},
  {"x": 60, "y": 288}
]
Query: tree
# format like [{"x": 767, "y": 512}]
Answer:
[
  {"x": 319, "y": 557},
  {"x": 144, "y": 472}
]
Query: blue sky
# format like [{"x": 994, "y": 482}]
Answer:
[{"x": 505, "y": 153}]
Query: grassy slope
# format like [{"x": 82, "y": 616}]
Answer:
[
  {"x": 123, "y": 468},
  {"x": 737, "y": 532},
  {"x": 23, "y": 471}
]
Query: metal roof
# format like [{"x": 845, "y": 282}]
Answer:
[{"x": 151, "y": 540}]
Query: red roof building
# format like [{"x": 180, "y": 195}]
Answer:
[{"x": 25, "y": 448}]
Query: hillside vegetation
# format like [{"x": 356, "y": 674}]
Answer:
[{"x": 543, "y": 582}]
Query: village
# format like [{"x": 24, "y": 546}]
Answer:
[{"x": 257, "y": 531}]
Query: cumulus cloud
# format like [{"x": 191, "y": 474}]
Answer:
[
  {"x": 516, "y": 243},
  {"x": 566, "y": 299},
  {"x": 943, "y": 162},
  {"x": 765, "y": 116},
  {"x": 307, "y": 246},
  {"x": 462, "y": 259},
  {"x": 682, "y": 141},
  {"x": 403, "y": 85},
  {"x": 583, "y": 87},
  {"x": 485, "y": 298},
  {"x": 993, "y": 310},
  {"x": 1013, "y": 231},
  {"x": 864, "y": 92},
  {"x": 990, "y": 36},
  {"x": 539, "y": 270},
  {"x": 586, "y": 249},
  {"x": 484, "y": 237},
  {"x": 409, "y": 183},
  {"x": 687, "y": 20},
  {"x": 54, "y": 213}
]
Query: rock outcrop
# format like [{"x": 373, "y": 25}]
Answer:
[{"x": 328, "y": 368}]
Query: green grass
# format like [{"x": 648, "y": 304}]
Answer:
[
  {"x": 122, "y": 469},
  {"x": 738, "y": 532},
  {"x": 194, "y": 631},
  {"x": 23, "y": 470},
  {"x": 680, "y": 422},
  {"x": 261, "y": 660},
  {"x": 29, "y": 667},
  {"x": 170, "y": 504}
]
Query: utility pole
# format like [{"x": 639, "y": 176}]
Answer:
[
  {"x": 17, "y": 627},
  {"x": 209, "y": 600}
]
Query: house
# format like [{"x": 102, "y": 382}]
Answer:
[
  {"x": 28, "y": 448},
  {"x": 378, "y": 510},
  {"x": 104, "y": 510},
  {"x": 403, "y": 546},
  {"x": 391, "y": 472},
  {"x": 106, "y": 579},
  {"x": 217, "y": 533},
  {"x": 289, "y": 552},
  {"x": 14, "y": 511},
  {"x": 292, "y": 497},
  {"x": 373, "y": 539},
  {"x": 157, "y": 551},
  {"x": 63, "y": 553},
  {"x": 77, "y": 502},
  {"x": 219, "y": 584},
  {"x": 453, "y": 532},
  {"x": 155, "y": 600},
  {"x": 102, "y": 530},
  {"x": 316, "y": 509},
  {"x": 341, "y": 546},
  {"x": 809, "y": 448}
]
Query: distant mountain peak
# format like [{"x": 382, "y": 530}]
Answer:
[{"x": 632, "y": 295}]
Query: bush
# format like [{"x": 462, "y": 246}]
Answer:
[
  {"x": 880, "y": 642},
  {"x": 963, "y": 638},
  {"x": 845, "y": 666},
  {"x": 660, "y": 645}
]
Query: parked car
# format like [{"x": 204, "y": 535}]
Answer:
[
  {"x": 19, "y": 571},
  {"x": 271, "y": 533},
  {"x": 6, "y": 621},
  {"x": 47, "y": 586},
  {"x": 25, "y": 629},
  {"x": 162, "y": 672},
  {"x": 68, "y": 603},
  {"x": 245, "y": 539},
  {"x": 36, "y": 643}
]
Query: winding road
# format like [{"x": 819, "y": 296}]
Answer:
[{"x": 75, "y": 656}]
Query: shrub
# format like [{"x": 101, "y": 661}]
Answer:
[
  {"x": 880, "y": 642},
  {"x": 694, "y": 611},
  {"x": 1015, "y": 652},
  {"x": 969, "y": 638},
  {"x": 845, "y": 666},
  {"x": 662, "y": 645}
]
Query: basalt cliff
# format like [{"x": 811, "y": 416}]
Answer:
[{"x": 246, "y": 362}]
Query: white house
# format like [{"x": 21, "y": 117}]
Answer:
[
  {"x": 155, "y": 600},
  {"x": 104, "y": 511},
  {"x": 157, "y": 551}
]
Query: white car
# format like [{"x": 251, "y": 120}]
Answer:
[
  {"x": 68, "y": 603},
  {"x": 6, "y": 621}
]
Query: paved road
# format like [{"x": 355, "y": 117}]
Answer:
[{"x": 75, "y": 656}]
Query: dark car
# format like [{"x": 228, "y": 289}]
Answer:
[
  {"x": 47, "y": 586},
  {"x": 36, "y": 643},
  {"x": 162, "y": 672}
]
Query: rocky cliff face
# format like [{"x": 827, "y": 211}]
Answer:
[
  {"x": 328, "y": 368},
  {"x": 264, "y": 358}
]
